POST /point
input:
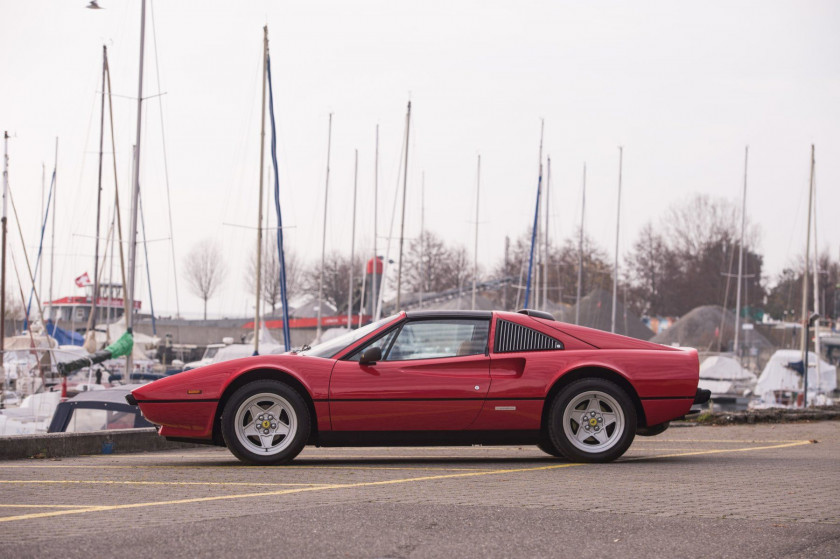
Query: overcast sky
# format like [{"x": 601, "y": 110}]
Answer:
[{"x": 682, "y": 86}]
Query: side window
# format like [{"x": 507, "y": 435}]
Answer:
[
  {"x": 383, "y": 342},
  {"x": 512, "y": 337},
  {"x": 429, "y": 339}
]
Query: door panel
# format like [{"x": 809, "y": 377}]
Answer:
[{"x": 424, "y": 394}]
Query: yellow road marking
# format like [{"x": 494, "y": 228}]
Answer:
[
  {"x": 720, "y": 451},
  {"x": 46, "y": 506},
  {"x": 238, "y": 466},
  {"x": 112, "y": 482},
  {"x": 275, "y": 493},
  {"x": 741, "y": 441},
  {"x": 365, "y": 484}
]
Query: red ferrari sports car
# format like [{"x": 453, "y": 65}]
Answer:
[{"x": 435, "y": 378}]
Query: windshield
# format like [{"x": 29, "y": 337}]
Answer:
[{"x": 333, "y": 346}]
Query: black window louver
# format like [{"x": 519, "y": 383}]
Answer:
[{"x": 512, "y": 337}]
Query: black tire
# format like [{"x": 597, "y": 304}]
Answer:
[
  {"x": 653, "y": 431},
  {"x": 610, "y": 424},
  {"x": 546, "y": 446},
  {"x": 255, "y": 418}
]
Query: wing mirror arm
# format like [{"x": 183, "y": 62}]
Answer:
[{"x": 371, "y": 356}]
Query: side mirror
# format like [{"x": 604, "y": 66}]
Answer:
[{"x": 370, "y": 356}]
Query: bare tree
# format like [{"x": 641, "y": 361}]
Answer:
[
  {"x": 561, "y": 268},
  {"x": 689, "y": 260},
  {"x": 702, "y": 221},
  {"x": 783, "y": 298},
  {"x": 654, "y": 269},
  {"x": 336, "y": 281},
  {"x": 14, "y": 308},
  {"x": 437, "y": 268},
  {"x": 205, "y": 270},
  {"x": 270, "y": 283}
]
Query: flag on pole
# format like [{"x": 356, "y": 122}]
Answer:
[{"x": 83, "y": 280}]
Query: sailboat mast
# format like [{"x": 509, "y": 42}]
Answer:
[
  {"x": 816, "y": 279},
  {"x": 117, "y": 213},
  {"x": 281, "y": 252},
  {"x": 258, "y": 279},
  {"x": 736, "y": 346},
  {"x": 324, "y": 233},
  {"x": 148, "y": 268},
  {"x": 545, "y": 234},
  {"x": 536, "y": 223},
  {"x": 135, "y": 195},
  {"x": 617, "y": 229},
  {"x": 537, "y": 245},
  {"x": 92, "y": 321},
  {"x": 43, "y": 192},
  {"x": 580, "y": 248},
  {"x": 475, "y": 248},
  {"x": 405, "y": 190},
  {"x": 352, "y": 243},
  {"x": 422, "y": 232},
  {"x": 4, "y": 221},
  {"x": 52, "y": 232},
  {"x": 110, "y": 314},
  {"x": 804, "y": 341},
  {"x": 374, "y": 295}
]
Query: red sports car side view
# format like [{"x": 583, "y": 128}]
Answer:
[{"x": 435, "y": 378}]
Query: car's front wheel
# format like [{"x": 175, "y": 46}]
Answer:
[
  {"x": 592, "y": 420},
  {"x": 265, "y": 422}
]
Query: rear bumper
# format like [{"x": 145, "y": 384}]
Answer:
[{"x": 702, "y": 396}]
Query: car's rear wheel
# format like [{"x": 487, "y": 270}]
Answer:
[
  {"x": 265, "y": 422},
  {"x": 592, "y": 420}
]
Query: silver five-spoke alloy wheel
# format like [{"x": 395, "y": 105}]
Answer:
[
  {"x": 265, "y": 424},
  {"x": 593, "y": 421}
]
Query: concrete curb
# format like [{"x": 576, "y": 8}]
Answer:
[
  {"x": 770, "y": 415},
  {"x": 60, "y": 445}
]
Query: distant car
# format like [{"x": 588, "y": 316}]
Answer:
[
  {"x": 209, "y": 355},
  {"x": 97, "y": 410},
  {"x": 435, "y": 378}
]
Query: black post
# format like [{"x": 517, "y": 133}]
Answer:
[
  {"x": 805, "y": 365},
  {"x": 808, "y": 323}
]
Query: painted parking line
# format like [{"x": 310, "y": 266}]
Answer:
[
  {"x": 719, "y": 451},
  {"x": 184, "y": 483},
  {"x": 363, "y": 484},
  {"x": 190, "y": 466},
  {"x": 281, "y": 492},
  {"x": 734, "y": 441},
  {"x": 30, "y": 506}
]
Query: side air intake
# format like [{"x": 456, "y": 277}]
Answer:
[{"x": 512, "y": 337}]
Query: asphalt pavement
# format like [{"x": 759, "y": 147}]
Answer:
[{"x": 734, "y": 491}]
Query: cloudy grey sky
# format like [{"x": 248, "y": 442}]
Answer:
[{"x": 682, "y": 86}]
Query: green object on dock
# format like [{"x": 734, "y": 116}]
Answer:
[{"x": 121, "y": 347}]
